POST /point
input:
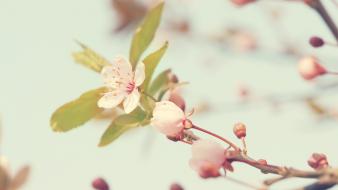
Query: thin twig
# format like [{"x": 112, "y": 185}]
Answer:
[
  {"x": 321, "y": 10},
  {"x": 216, "y": 136}
]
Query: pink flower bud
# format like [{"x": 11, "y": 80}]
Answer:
[
  {"x": 316, "y": 41},
  {"x": 176, "y": 186},
  {"x": 242, "y": 2},
  {"x": 207, "y": 158},
  {"x": 309, "y": 68},
  {"x": 262, "y": 162},
  {"x": 173, "y": 78},
  {"x": 177, "y": 99},
  {"x": 318, "y": 161},
  {"x": 100, "y": 184},
  {"x": 168, "y": 118},
  {"x": 239, "y": 130}
]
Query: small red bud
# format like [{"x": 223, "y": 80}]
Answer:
[
  {"x": 172, "y": 77},
  {"x": 318, "y": 161},
  {"x": 310, "y": 68},
  {"x": 176, "y": 186},
  {"x": 262, "y": 162},
  {"x": 100, "y": 184},
  {"x": 239, "y": 130},
  {"x": 242, "y": 2},
  {"x": 316, "y": 41}
]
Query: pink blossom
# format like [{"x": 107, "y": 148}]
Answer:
[
  {"x": 207, "y": 158},
  {"x": 309, "y": 68}
]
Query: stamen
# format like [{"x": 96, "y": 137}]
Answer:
[{"x": 130, "y": 87}]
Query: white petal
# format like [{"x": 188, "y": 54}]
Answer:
[
  {"x": 167, "y": 118},
  {"x": 108, "y": 74},
  {"x": 117, "y": 75},
  {"x": 131, "y": 101},
  {"x": 111, "y": 99},
  {"x": 139, "y": 74},
  {"x": 123, "y": 66}
]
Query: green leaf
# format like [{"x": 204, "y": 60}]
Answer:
[
  {"x": 145, "y": 33},
  {"x": 89, "y": 58},
  {"x": 77, "y": 112},
  {"x": 151, "y": 62},
  {"x": 122, "y": 124},
  {"x": 147, "y": 103},
  {"x": 160, "y": 82}
]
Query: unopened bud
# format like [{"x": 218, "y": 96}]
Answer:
[
  {"x": 239, "y": 130},
  {"x": 309, "y": 68},
  {"x": 262, "y": 162},
  {"x": 176, "y": 186},
  {"x": 172, "y": 77},
  {"x": 316, "y": 41},
  {"x": 100, "y": 184},
  {"x": 177, "y": 99},
  {"x": 318, "y": 161},
  {"x": 242, "y": 2}
]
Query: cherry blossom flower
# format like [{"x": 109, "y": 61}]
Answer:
[
  {"x": 169, "y": 119},
  {"x": 122, "y": 83},
  {"x": 207, "y": 158},
  {"x": 309, "y": 68}
]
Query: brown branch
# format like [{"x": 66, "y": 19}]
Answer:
[
  {"x": 319, "y": 7},
  {"x": 327, "y": 177}
]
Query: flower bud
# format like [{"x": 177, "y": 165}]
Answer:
[
  {"x": 262, "y": 162},
  {"x": 168, "y": 118},
  {"x": 239, "y": 130},
  {"x": 316, "y": 41},
  {"x": 172, "y": 77},
  {"x": 309, "y": 68},
  {"x": 177, "y": 99},
  {"x": 318, "y": 161},
  {"x": 100, "y": 184},
  {"x": 242, "y": 2},
  {"x": 176, "y": 186}
]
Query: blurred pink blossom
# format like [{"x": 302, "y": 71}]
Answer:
[{"x": 207, "y": 158}]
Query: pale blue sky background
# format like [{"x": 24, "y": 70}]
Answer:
[{"x": 37, "y": 75}]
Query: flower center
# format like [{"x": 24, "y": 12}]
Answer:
[{"x": 130, "y": 87}]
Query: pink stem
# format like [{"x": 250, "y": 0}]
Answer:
[{"x": 216, "y": 136}]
